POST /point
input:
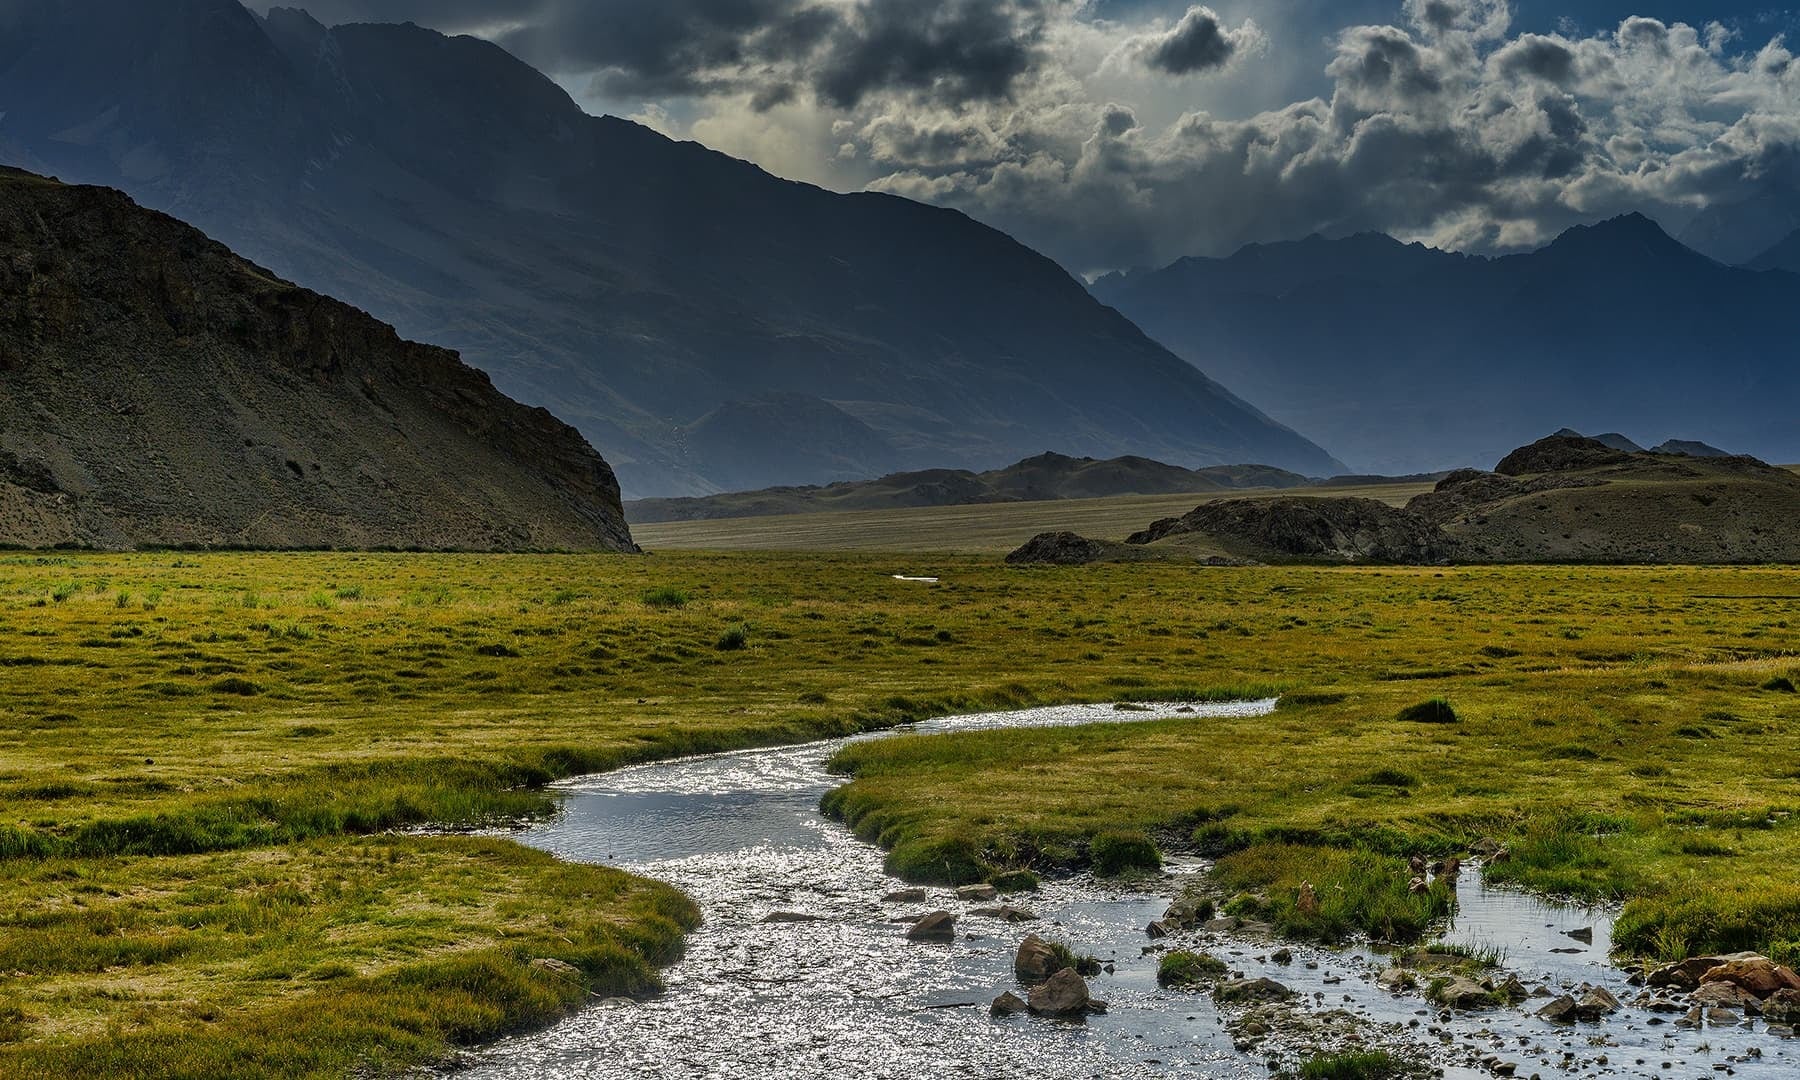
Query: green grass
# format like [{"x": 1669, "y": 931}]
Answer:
[
  {"x": 1182, "y": 968},
  {"x": 222, "y": 723},
  {"x": 1355, "y": 1065},
  {"x": 1352, "y": 891}
]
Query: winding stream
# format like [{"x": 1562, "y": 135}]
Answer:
[{"x": 848, "y": 996}]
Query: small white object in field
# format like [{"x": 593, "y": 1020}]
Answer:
[{"x": 926, "y": 580}]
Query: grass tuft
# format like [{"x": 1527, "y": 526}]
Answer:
[{"x": 1435, "y": 711}]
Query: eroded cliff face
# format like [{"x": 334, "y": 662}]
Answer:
[{"x": 156, "y": 389}]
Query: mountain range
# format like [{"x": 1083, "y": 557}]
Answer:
[
  {"x": 158, "y": 390},
  {"x": 1404, "y": 359},
  {"x": 1045, "y": 477},
  {"x": 706, "y": 325}
]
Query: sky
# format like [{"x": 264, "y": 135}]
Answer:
[{"x": 1118, "y": 133}]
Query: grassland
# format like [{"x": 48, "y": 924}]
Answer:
[
  {"x": 204, "y": 759},
  {"x": 989, "y": 528}
]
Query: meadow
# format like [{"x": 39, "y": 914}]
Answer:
[{"x": 226, "y": 779}]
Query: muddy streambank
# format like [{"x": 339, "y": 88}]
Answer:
[{"x": 832, "y": 986}]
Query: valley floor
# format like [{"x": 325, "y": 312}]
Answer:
[
  {"x": 213, "y": 766},
  {"x": 981, "y": 528}
]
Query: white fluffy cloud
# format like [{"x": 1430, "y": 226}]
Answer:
[{"x": 1447, "y": 128}]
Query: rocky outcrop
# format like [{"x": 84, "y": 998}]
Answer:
[
  {"x": 1060, "y": 549},
  {"x": 1308, "y": 530},
  {"x": 1757, "y": 975},
  {"x": 1560, "y": 453},
  {"x": 155, "y": 389},
  {"x": 1562, "y": 499}
]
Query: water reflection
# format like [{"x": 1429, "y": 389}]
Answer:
[{"x": 741, "y": 833}]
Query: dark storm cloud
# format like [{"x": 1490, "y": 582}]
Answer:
[
  {"x": 965, "y": 49},
  {"x": 771, "y": 49},
  {"x": 451, "y": 16},
  {"x": 1538, "y": 57},
  {"x": 1197, "y": 43},
  {"x": 1385, "y": 60}
]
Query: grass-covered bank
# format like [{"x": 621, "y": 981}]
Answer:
[
  {"x": 1629, "y": 734},
  {"x": 330, "y": 958},
  {"x": 198, "y": 753},
  {"x": 170, "y": 723}
]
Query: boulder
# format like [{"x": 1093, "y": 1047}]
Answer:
[
  {"x": 905, "y": 896},
  {"x": 939, "y": 927},
  {"x": 1758, "y": 974},
  {"x": 977, "y": 893},
  {"x": 1058, "y": 549},
  {"x": 1486, "y": 847},
  {"x": 1064, "y": 994},
  {"x": 1724, "y": 995},
  {"x": 1160, "y": 928},
  {"x": 1562, "y": 1010},
  {"x": 1782, "y": 1007},
  {"x": 1035, "y": 961},
  {"x": 1251, "y": 990},
  {"x": 791, "y": 917},
  {"x": 1008, "y": 1004},
  {"x": 1396, "y": 979},
  {"x": 1585, "y": 935},
  {"x": 1685, "y": 974},
  {"x": 1596, "y": 1004},
  {"x": 1460, "y": 992}
]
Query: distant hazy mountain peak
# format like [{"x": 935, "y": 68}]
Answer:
[
  {"x": 1632, "y": 235},
  {"x": 1690, "y": 448},
  {"x": 1611, "y": 439}
]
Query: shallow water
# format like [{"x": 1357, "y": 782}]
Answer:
[{"x": 741, "y": 833}]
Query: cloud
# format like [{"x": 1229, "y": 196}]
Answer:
[
  {"x": 837, "y": 51},
  {"x": 1442, "y": 130},
  {"x": 1122, "y": 132},
  {"x": 1197, "y": 44}
]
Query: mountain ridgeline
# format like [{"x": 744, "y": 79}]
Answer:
[
  {"x": 1403, "y": 359},
  {"x": 704, "y": 324},
  {"x": 157, "y": 390}
]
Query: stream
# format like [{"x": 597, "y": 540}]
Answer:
[{"x": 741, "y": 833}]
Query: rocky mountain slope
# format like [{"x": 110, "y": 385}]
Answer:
[
  {"x": 705, "y": 324},
  {"x": 1405, "y": 359},
  {"x": 156, "y": 389},
  {"x": 1043, "y": 478},
  {"x": 1561, "y": 499}
]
